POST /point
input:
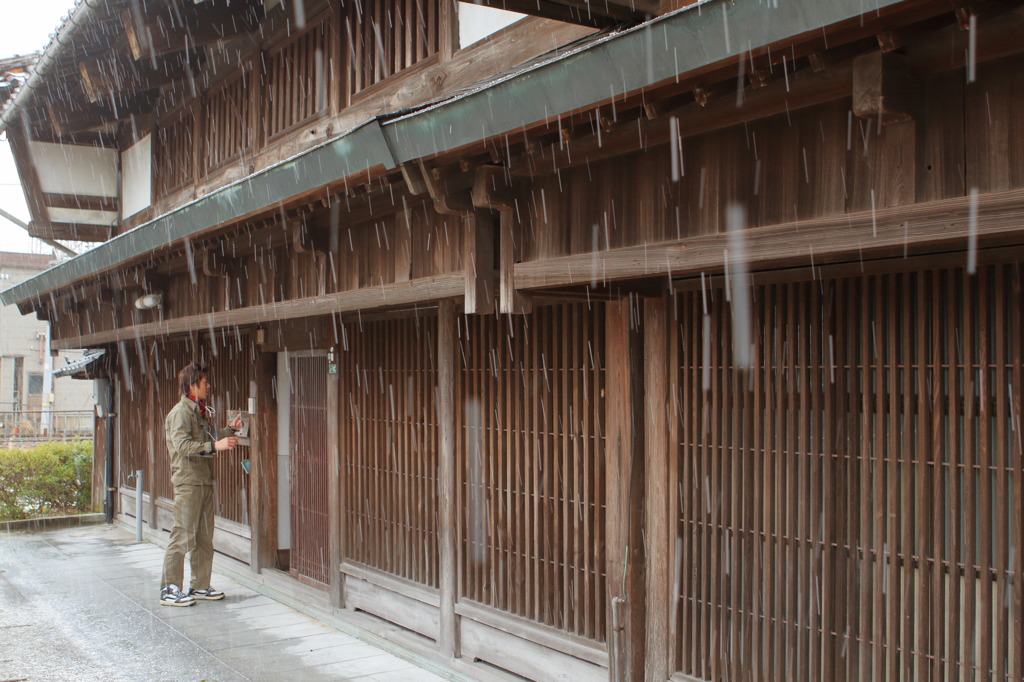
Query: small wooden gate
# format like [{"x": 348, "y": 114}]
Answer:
[{"x": 308, "y": 442}]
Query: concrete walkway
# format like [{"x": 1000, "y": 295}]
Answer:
[{"x": 82, "y": 604}]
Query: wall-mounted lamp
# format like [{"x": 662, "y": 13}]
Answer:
[{"x": 149, "y": 301}]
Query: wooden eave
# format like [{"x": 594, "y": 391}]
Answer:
[{"x": 650, "y": 103}]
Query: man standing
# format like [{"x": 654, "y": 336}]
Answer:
[{"x": 192, "y": 444}]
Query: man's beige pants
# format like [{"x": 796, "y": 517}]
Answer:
[{"x": 192, "y": 535}]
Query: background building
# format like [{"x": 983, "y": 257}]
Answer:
[{"x": 32, "y": 400}]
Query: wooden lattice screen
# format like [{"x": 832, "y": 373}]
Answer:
[
  {"x": 230, "y": 372},
  {"x": 388, "y": 374},
  {"x": 230, "y": 361},
  {"x": 851, "y": 508},
  {"x": 308, "y": 440},
  {"x": 297, "y": 81},
  {"x": 385, "y": 36},
  {"x": 228, "y": 129},
  {"x": 173, "y": 158},
  {"x": 530, "y": 404}
]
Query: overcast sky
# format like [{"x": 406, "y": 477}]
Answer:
[{"x": 23, "y": 30}]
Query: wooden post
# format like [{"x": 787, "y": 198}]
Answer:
[
  {"x": 155, "y": 443},
  {"x": 263, "y": 460},
  {"x": 658, "y": 526},
  {"x": 449, "y": 29},
  {"x": 334, "y": 507},
  {"x": 449, "y": 636},
  {"x": 478, "y": 262},
  {"x": 493, "y": 189},
  {"x": 625, "y": 494}
]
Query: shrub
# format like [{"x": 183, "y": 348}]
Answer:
[{"x": 51, "y": 478}]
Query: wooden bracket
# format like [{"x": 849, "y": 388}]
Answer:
[
  {"x": 212, "y": 264},
  {"x": 885, "y": 87},
  {"x": 758, "y": 78},
  {"x": 449, "y": 191},
  {"x": 963, "y": 15},
  {"x": 494, "y": 190}
]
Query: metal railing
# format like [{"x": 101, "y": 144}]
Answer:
[{"x": 45, "y": 425}]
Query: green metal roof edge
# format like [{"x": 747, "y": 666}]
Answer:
[
  {"x": 357, "y": 150},
  {"x": 641, "y": 56},
  {"x": 653, "y": 52}
]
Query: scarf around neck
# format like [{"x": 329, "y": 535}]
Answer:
[{"x": 204, "y": 409}]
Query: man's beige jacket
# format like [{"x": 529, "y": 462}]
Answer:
[{"x": 190, "y": 439}]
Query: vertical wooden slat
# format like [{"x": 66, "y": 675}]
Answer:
[
  {"x": 891, "y": 550},
  {"x": 953, "y": 355},
  {"x": 984, "y": 528},
  {"x": 1002, "y": 387},
  {"x": 817, "y": 386},
  {"x": 801, "y": 539},
  {"x": 925, "y": 480},
  {"x": 1017, "y": 452},
  {"x": 938, "y": 411},
  {"x": 970, "y": 439},
  {"x": 758, "y": 461}
]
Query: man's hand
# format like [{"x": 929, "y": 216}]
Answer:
[
  {"x": 236, "y": 423},
  {"x": 229, "y": 443}
]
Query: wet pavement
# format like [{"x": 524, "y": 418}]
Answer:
[{"x": 82, "y": 604}]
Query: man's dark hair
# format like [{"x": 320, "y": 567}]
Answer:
[{"x": 190, "y": 374}]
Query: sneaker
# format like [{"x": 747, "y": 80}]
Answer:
[
  {"x": 209, "y": 594},
  {"x": 172, "y": 596}
]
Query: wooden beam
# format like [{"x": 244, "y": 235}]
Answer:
[
  {"x": 448, "y": 639},
  {"x": 885, "y": 88},
  {"x": 624, "y": 489},
  {"x": 597, "y": 15},
  {"x": 104, "y": 79},
  {"x": 69, "y": 231},
  {"x": 401, "y": 293},
  {"x": 18, "y": 139},
  {"x": 804, "y": 89},
  {"x": 863, "y": 234},
  {"x": 186, "y": 29},
  {"x": 81, "y": 202}
]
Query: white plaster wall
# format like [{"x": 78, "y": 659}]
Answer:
[
  {"x": 476, "y": 22},
  {"x": 76, "y": 169},
  {"x": 77, "y": 216},
  {"x": 137, "y": 177}
]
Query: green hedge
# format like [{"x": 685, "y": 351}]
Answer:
[{"x": 51, "y": 478}]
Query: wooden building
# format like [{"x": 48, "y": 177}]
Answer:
[{"x": 634, "y": 341}]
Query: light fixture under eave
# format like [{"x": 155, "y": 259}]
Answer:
[{"x": 149, "y": 301}]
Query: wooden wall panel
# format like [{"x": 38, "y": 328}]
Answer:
[
  {"x": 174, "y": 154},
  {"x": 994, "y": 132},
  {"x": 850, "y": 507},
  {"x": 409, "y": 244},
  {"x": 228, "y": 134},
  {"x": 297, "y": 81},
  {"x": 383, "y": 37},
  {"x": 389, "y": 441},
  {"x": 531, "y": 474}
]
